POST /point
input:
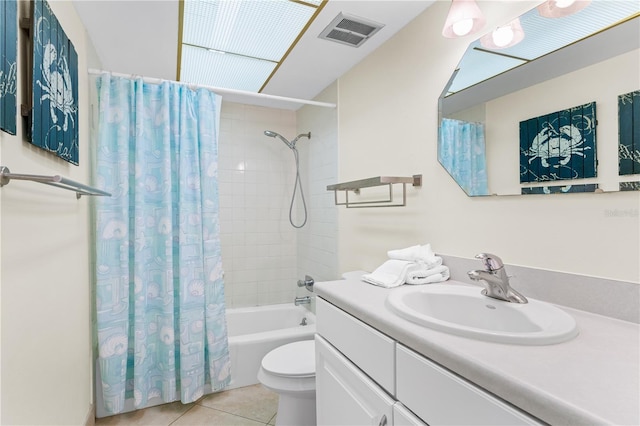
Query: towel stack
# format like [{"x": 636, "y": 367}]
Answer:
[{"x": 412, "y": 265}]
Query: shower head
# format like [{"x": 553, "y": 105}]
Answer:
[
  {"x": 279, "y": 136},
  {"x": 291, "y": 144}
]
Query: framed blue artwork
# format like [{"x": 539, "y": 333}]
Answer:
[
  {"x": 629, "y": 133},
  {"x": 560, "y": 145},
  {"x": 54, "y": 119},
  {"x": 8, "y": 64}
]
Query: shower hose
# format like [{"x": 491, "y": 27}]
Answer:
[{"x": 296, "y": 186}]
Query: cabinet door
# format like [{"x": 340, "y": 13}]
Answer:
[{"x": 345, "y": 395}]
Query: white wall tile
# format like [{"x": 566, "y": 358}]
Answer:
[{"x": 254, "y": 209}]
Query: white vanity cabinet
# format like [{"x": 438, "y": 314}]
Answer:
[{"x": 364, "y": 377}]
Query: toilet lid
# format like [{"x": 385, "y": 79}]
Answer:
[{"x": 292, "y": 359}]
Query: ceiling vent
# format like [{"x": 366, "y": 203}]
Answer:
[{"x": 350, "y": 30}]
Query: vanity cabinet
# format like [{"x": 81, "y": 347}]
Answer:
[{"x": 364, "y": 377}]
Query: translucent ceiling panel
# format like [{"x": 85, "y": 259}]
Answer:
[
  {"x": 258, "y": 28},
  {"x": 204, "y": 67}
]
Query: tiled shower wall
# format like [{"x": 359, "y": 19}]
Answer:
[
  {"x": 317, "y": 241},
  {"x": 259, "y": 251},
  {"x": 263, "y": 256}
]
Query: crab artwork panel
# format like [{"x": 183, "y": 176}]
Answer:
[
  {"x": 629, "y": 133},
  {"x": 54, "y": 119},
  {"x": 559, "y": 146},
  {"x": 8, "y": 64}
]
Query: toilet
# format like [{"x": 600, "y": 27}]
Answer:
[{"x": 290, "y": 371}]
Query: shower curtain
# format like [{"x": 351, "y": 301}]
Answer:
[
  {"x": 461, "y": 150},
  {"x": 160, "y": 303}
]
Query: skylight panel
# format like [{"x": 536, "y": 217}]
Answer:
[
  {"x": 240, "y": 33},
  {"x": 219, "y": 69}
]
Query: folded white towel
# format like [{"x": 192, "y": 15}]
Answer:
[
  {"x": 417, "y": 254},
  {"x": 391, "y": 273},
  {"x": 418, "y": 275}
]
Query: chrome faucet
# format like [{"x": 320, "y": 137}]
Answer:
[
  {"x": 495, "y": 279},
  {"x": 302, "y": 300}
]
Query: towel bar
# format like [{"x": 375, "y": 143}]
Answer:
[
  {"x": 56, "y": 180},
  {"x": 356, "y": 185}
]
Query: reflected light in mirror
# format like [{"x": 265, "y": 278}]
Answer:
[
  {"x": 464, "y": 18},
  {"x": 504, "y": 36},
  {"x": 560, "y": 8}
]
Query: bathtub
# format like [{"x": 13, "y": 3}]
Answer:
[{"x": 255, "y": 331}]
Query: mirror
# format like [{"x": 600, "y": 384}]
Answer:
[{"x": 561, "y": 74}]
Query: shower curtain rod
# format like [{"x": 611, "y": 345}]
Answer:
[{"x": 221, "y": 90}]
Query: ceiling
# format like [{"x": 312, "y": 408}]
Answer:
[{"x": 145, "y": 41}]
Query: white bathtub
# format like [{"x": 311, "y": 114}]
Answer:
[{"x": 253, "y": 332}]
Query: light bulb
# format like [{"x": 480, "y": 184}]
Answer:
[
  {"x": 502, "y": 36},
  {"x": 564, "y": 3},
  {"x": 463, "y": 27}
]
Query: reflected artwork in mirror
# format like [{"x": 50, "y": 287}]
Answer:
[
  {"x": 559, "y": 146},
  {"x": 629, "y": 125},
  {"x": 588, "y": 57}
]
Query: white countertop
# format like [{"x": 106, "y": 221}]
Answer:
[{"x": 592, "y": 379}]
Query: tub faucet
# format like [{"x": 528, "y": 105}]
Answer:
[
  {"x": 495, "y": 279},
  {"x": 302, "y": 300}
]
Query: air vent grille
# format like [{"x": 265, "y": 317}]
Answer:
[
  {"x": 350, "y": 30},
  {"x": 356, "y": 27},
  {"x": 346, "y": 37}
]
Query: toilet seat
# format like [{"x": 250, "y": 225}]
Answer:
[{"x": 293, "y": 360}]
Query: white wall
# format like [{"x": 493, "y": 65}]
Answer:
[
  {"x": 45, "y": 301},
  {"x": 256, "y": 175},
  {"x": 388, "y": 126}
]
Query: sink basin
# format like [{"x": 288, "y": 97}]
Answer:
[{"x": 463, "y": 311}]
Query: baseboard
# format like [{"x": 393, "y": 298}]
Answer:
[{"x": 90, "y": 419}]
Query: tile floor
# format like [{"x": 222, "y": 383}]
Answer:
[{"x": 248, "y": 406}]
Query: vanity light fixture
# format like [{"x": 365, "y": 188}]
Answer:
[
  {"x": 561, "y": 8},
  {"x": 464, "y": 18},
  {"x": 504, "y": 36}
]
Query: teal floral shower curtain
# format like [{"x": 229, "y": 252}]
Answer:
[
  {"x": 160, "y": 304},
  {"x": 461, "y": 151}
]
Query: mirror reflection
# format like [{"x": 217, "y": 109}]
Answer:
[{"x": 517, "y": 119}]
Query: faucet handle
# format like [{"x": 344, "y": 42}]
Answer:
[
  {"x": 308, "y": 283},
  {"x": 490, "y": 261}
]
